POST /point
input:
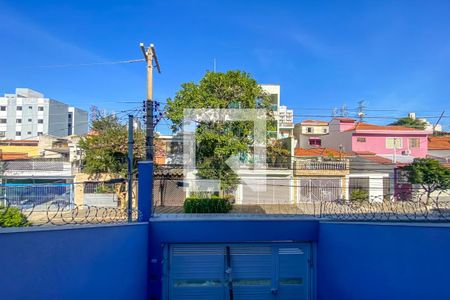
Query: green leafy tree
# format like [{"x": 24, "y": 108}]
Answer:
[
  {"x": 216, "y": 142},
  {"x": 105, "y": 148},
  {"x": 409, "y": 122},
  {"x": 430, "y": 174}
]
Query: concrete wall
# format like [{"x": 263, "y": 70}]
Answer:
[
  {"x": 80, "y": 262},
  {"x": 383, "y": 261}
]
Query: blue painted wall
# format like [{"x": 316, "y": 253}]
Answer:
[
  {"x": 216, "y": 231},
  {"x": 85, "y": 262},
  {"x": 370, "y": 261}
]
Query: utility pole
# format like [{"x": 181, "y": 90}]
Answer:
[
  {"x": 130, "y": 168},
  {"x": 150, "y": 57}
]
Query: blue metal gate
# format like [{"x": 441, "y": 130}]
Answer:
[{"x": 239, "y": 271}]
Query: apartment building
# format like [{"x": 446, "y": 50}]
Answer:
[
  {"x": 28, "y": 114},
  {"x": 283, "y": 115}
]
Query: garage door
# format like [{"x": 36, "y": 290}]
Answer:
[
  {"x": 277, "y": 191},
  {"x": 239, "y": 271}
]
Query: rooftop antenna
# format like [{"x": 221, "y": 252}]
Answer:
[
  {"x": 344, "y": 111},
  {"x": 335, "y": 112},
  {"x": 361, "y": 113}
]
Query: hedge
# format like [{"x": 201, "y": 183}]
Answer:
[{"x": 214, "y": 205}]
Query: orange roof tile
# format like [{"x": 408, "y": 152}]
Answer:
[
  {"x": 318, "y": 122},
  {"x": 12, "y": 156},
  {"x": 346, "y": 120},
  {"x": 378, "y": 159},
  {"x": 366, "y": 126},
  {"x": 439, "y": 143},
  {"x": 315, "y": 152}
]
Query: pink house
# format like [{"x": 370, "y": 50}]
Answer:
[{"x": 401, "y": 144}]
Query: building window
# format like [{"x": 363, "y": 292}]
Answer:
[
  {"x": 29, "y": 132},
  {"x": 30, "y": 120},
  {"x": 18, "y": 121},
  {"x": 315, "y": 142},
  {"x": 3, "y": 108},
  {"x": 3, "y": 121},
  {"x": 40, "y": 133},
  {"x": 30, "y": 107},
  {"x": 2, "y": 133},
  {"x": 40, "y": 108},
  {"x": 361, "y": 139},
  {"x": 41, "y": 121},
  {"x": 414, "y": 143},
  {"x": 392, "y": 143},
  {"x": 324, "y": 130},
  {"x": 309, "y": 129},
  {"x": 19, "y": 107},
  {"x": 18, "y": 133}
]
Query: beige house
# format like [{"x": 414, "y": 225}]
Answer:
[{"x": 308, "y": 133}]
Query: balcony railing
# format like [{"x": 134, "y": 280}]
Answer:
[{"x": 313, "y": 167}]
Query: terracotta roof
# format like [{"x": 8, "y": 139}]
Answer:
[
  {"x": 439, "y": 143},
  {"x": 315, "y": 152},
  {"x": 318, "y": 122},
  {"x": 366, "y": 126},
  {"x": 12, "y": 156},
  {"x": 378, "y": 159},
  {"x": 346, "y": 120}
]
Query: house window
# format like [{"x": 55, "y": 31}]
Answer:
[
  {"x": 394, "y": 142},
  {"x": 41, "y": 121},
  {"x": 2, "y": 133},
  {"x": 414, "y": 143},
  {"x": 40, "y": 108},
  {"x": 18, "y": 133},
  {"x": 29, "y": 132},
  {"x": 3, "y": 121},
  {"x": 18, "y": 121},
  {"x": 361, "y": 139},
  {"x": 40, "y": 133},
  {"x": 30, "y": 120},
  {"x": 309, "y": 129},
  {"x": 30, "y": 107},
  {"x": 19, "y": 107},
  {"x": 324, "y": 130},
  {"x": 3, "y": 108},
  {"x": 315, "y": 142}
]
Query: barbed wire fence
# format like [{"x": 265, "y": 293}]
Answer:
[{"x": 54, "y": 204}]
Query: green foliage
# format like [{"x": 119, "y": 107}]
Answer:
[
  {"x": 359, "y": 195},
  {"x": 430, "y": 174},
  {"x": 12, "y": 217},
  {"x": 213, "y": 204},
  {"x": 217, "y": 142},
  {"x": 105, "y": 149},
  {"x": 409, "y": 122},
  {"x": 104, "y": 189}
]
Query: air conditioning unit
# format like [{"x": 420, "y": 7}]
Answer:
[{"x": 406, "y": 152}]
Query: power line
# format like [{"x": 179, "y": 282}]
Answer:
[{"x": 129, "y": 61}]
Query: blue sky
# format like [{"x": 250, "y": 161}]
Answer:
[{"x": 395, "y": 55}]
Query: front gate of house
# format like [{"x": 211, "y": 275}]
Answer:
[
  {"x": 239, "y": 271},
  {"x": 319, "y": 189}
]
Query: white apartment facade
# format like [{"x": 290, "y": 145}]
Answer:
[
  {"x": 27, "y": 114},
  {"x": 283, "y": 115}
]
